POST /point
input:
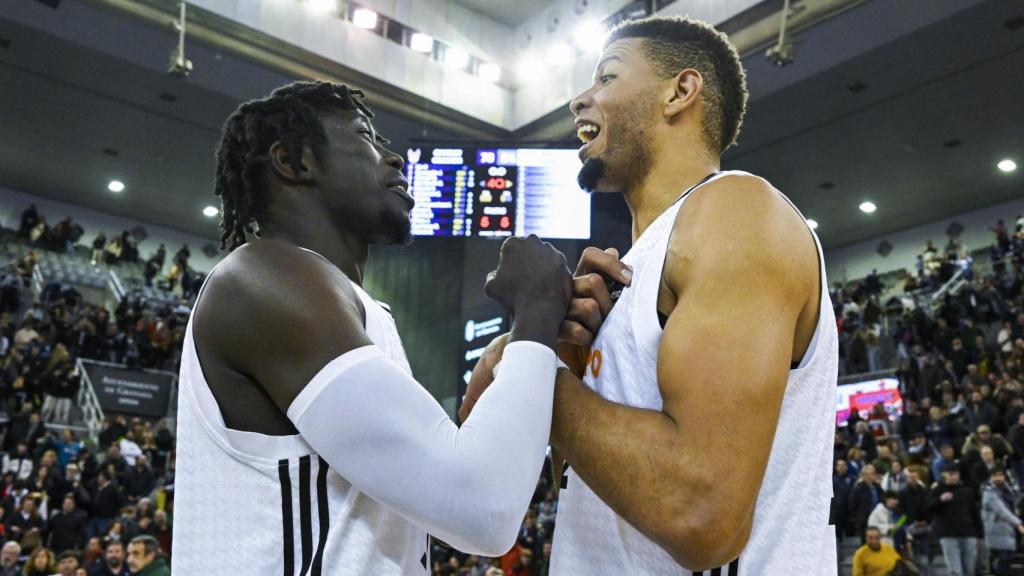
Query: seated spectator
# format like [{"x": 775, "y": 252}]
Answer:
[
  {"x": 26, "y": 519},
  {"x": 983, "y": 436},
  {"x": 9, "y": 559},
  {"x": 874, "y": 558},
  {"x": 144, "y": 557},
  {"x": 20, "y": 464},
  {"x": 112, "y": 563},
  {"x": 67, "y": 564},
  {"x": 66, "y": 529},
  {"x": 894, "y": 480},
  {"x": 40, "y": 563}
]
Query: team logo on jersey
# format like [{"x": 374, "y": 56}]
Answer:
[{"x": 594, "y": 361}]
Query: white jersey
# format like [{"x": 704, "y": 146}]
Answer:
[
  {"x": 248, "y": 503},
  {"x": 791, "y": 532}
]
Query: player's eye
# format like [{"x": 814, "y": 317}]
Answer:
[{"x": 606, "y": 78}]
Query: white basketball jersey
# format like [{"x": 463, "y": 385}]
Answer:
[
  {"x": 248, "y": 503},
  {"x": 791, "y": 532}
]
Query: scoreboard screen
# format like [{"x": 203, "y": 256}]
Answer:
[{"x": 497, "y": 192}]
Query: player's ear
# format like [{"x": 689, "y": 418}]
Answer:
[
  {"x": 684, "y": 93},
  {"x": 281, "y": 161}
]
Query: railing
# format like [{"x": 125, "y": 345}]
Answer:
[
  {"x": 37, "y": 281},
  {"x": 115, "y": 286},
  {"x": 876, "y": 375},
  {"x": 951, "y": 285},
  {"x": 92, "y": 412}
]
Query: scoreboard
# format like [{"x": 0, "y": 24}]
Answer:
[{"x": 497, "y": 192}]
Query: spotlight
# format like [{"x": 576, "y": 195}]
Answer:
[
  {"x": 210, "y": 211},
  {"x": 868, "y": 207},
  {"x": 813, "y": 224},
  {"x": 420, "y": 42},
  {"x": 589, "y": 36},
  {"x": 115, "y": 186},
  {"x": 490, "y": 72},
  {"x": 456, "y": 57},
  {"x": 1007, "y": 165},
  {"x": 322, "y": 6},
  {"x": 364, "y": 18},
  {"x": 559, "y": 54}
]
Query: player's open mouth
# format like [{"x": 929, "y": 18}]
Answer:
[
  {"x": 401, "y": 187},
  {"x": 587, "y": 131}
]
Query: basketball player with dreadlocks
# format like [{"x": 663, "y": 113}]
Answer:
[
  {"x": 699, "y": 438},
  {"x": 305, "y": 445}
]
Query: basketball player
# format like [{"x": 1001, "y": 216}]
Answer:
[
  {"x": 305, "y": 446},
  {"x": 700, "y": 437}
]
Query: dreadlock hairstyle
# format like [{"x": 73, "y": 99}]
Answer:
[
  {"x": 290, "y": 115},
  {"x": 673, "y": 44}
]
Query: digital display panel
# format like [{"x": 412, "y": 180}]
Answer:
[
  {"x": 497, "y": 192},
  {"x": 862, "y": 397}
]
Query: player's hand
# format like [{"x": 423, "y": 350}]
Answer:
[
  {"x": 592, "y": 302},
  {"x": 483, "y": 375}
]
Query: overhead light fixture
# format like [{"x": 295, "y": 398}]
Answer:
[
  {"x": 490, "y": 72},
  {"x": 364, "y": 18},
  {"x": 420, "y": 42},
  {"x": 813, "y": 224},
  {"x": 589, "y": 36},
  {"x": 868, "y": 207},
  {"x": 559, "y": 54},
  {"x": 115, "y": 186},
  {"x": 322, "y": 6},
  {"x": 1007, "y": 165},
  {"x": 210, "y": 211},
  {"x": 456, "y": 57}
]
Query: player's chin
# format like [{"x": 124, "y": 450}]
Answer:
[{"x": 395, "y": 229}]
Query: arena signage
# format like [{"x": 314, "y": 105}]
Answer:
[{"x": 125, "y": 391}]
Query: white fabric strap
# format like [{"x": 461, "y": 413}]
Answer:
[{"x": 469, "y": 486}]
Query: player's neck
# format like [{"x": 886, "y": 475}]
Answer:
[
  {"x": 317, "y": 233},
  {"x": 664, "y": 183}
]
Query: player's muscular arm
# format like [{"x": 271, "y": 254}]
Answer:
[
  {"x": 740, "y": 265},
  {"x": 376, "y": 426}
]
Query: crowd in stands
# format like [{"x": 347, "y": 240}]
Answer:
[{"x": 945, "y": 477}]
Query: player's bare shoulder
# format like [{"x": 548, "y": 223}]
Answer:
[{"x": 742, "y": 220}]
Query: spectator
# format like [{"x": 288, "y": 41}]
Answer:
[
  {"x": 27, "y": 518},
  {"x": 883, "y": 517},
  {"x": 141, "y": 479},
  {"x": 1001, "y": 524},
  {"x": 9, "y": 559},
  {"x": 957, "y": 522},
  {"x": 864, "y": 497},
  {"x": 40, "y": 563},
  {"x": 113, "y": 562},
  {"x": 98, "y": 245},
  {"x": 107, "y": 501},
  {"x": 21, "y": 464},
  {"x": 67, "y": 528},
  {"x": 144, "y": 558},
  {"x": 913, "y": 502},
  {"x": 894, "y": 480},
  {"x": 874, "y": 558},
  {"x": 67, "y": 564}
]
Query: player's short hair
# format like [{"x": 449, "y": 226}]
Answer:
[
  {"x": 675, "y": 43},
  {"x": 872, "y": 529}
]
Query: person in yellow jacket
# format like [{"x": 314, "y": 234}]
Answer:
[{"x": 874, "y": 558}]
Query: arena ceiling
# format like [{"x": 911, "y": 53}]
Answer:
[{"x": 69, "y": 96}]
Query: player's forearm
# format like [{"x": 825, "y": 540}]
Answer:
[{"x": 635, "y": 460}]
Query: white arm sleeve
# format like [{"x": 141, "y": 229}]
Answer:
[{"x": 469, "y": 486}]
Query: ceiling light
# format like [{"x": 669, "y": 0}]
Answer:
[
  {"x": 559, "y": 54},
  {"x": 115, "y": 186},
  {"x": 589, "y": 36},
  {"x": 421, "y": 42},
  {"x": 812, "y": 223},
  {"x": 364, "y": 18},
  {"x": 322, "y": 6},
  {"x": 456, "y": 57},
  {"x": 868, "y": 207},
  {"x": 210, "y": 211},
  {"x": 1007, "y": 165},
  {"x": 490, "y": 72}
]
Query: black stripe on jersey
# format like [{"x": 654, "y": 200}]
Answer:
[
  {"x": 325, "y": 515},
  {"x": 304, "y": 514},
  {"x": 716, "y": 572},
  {"x": 286, "y": 517},
  {"x": 734, "y": 567}
]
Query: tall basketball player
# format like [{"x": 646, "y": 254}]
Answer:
[
  {"x": 305, "y": 446},
  {"x": 700, "y": 436}
]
